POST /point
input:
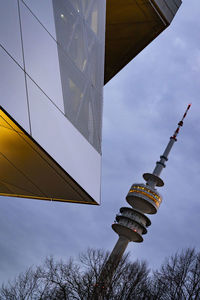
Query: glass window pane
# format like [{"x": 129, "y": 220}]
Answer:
[
  {"x": 94, "y": 13},
  {"x": 65, "y": 20},
  {"x": 74, "y": 84},
  {"x": 41, "y": 57},
  {"x": 10, "y": 37},
  {"x": 77, "y": 47},
  {"x": 96, "y": 64},
  {"x": 82, "y": 101},
  {"x": 12, "y": 90},
  {"x": 77, "y": 4},
  {"x": 80, "y": 29},
  {"x": 70, "y": 32}
]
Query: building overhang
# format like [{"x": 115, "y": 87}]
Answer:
[
  {"x": 130, "y": 26},
  {"x": 28, "y": 171}
]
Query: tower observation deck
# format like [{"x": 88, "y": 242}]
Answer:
[{"x": 131, "y": 223}]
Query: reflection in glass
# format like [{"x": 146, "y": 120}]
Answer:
[
  {"x": 13, "y": 93},
  {"x": 85, "y": 117},
  {"x": 10, "y": 37},
  {"x": 77, "y": 47},
  {"x": 77, "y": 4},
  {"x": 80, "y": 33},
  {"x": 96, "y": 65},
  {"x": 94, "y": 14},
  {"x": 73, "y": 84},
  {"x": 65, "y": 18}
]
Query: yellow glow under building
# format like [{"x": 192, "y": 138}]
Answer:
[{"x": 52, "y": 74}]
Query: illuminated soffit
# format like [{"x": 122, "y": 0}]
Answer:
[{"x": 28, "y": 171}]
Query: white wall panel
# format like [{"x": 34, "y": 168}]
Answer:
[
  {"x": 43, "y": 10},
  {"x": 10, "y": 37},
  {"x": 12, "y": 90},
  {"x": 41, "y": 57}
]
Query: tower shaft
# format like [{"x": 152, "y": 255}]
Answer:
[
  {"x": 163, "y": 158},
  {"x": 110, "y": 267}
]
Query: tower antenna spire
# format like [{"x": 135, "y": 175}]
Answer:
[
  {"x": 181, "y": 122},
  {"x": 153, "y": 179}
]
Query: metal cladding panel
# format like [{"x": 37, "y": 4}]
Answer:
[
  {"x": 43, "y": 10},
  {"x": 10, "y": 37},
  {"x": 13, "y": 90},
  {"x": 41, "y": 57}
]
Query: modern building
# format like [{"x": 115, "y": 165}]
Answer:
[{"x": 51, "y": 88}]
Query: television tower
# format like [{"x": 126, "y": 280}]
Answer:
[{"x": 131, "y": 223}]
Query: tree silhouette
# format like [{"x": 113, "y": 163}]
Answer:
[{"x": 177, "y": 279}]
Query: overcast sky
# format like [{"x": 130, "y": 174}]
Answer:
[{"x": 142, "y": 106}]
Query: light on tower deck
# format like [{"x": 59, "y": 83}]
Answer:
[{"x": 144, "y": 198}]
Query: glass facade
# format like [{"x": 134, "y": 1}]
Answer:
[
  {"x": 80, "y": 36},
  {"x": 51, "y": 79}
]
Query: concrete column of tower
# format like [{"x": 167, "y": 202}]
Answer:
[
  {"x": 110, "y": 267},
  {"x": 163, "y": 158}
]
